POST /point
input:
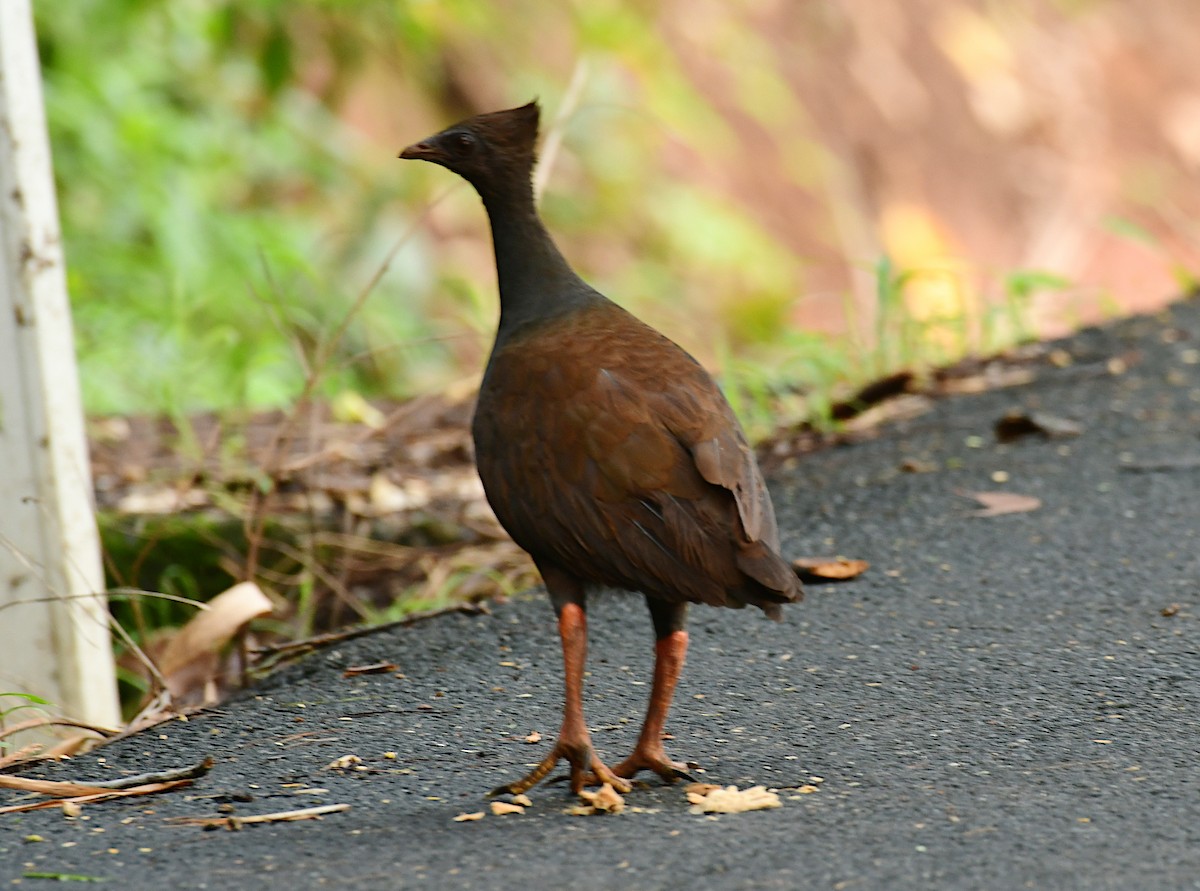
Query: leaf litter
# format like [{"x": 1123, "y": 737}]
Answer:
[
  {"x": 995, "y": 504},
  {"x": 711, "y": 799}
]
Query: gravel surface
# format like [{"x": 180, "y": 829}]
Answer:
[{"x": 1000, "y": 702}]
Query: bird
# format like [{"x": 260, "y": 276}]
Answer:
[{"x": 606, "y": 452}]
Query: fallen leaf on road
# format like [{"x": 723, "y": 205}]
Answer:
[
  {"x": 828, "y": 568},
  {"x": 731, "y": 801},
  {"x": 346, "y": 762},
  {"x": 533, "y": 737},
  {"x": 469, "y": 818},
  {"x": 522, "y": 800},
  {"x": 996, "y": 504},
  {"x": 500, "y": 808},
  {"x": 1018, "y": 423}
]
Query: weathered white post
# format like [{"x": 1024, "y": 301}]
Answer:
[{"x": 54, "y": 635}]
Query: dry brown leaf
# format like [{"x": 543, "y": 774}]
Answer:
[
  {"x": 829, "y": 568},
  {"x": 533, "y": 737},
  {"x": 997, "y": 504},
  {"x": 700, "y": 788},
  {"x": 500, "y": 808},
  {"x": 523, "y": 800},
  {"x": 731, "y": 801},
  {"x": 189, "y": 660},
  {"x": 469, "y": 818},
  {"x": 346, "y": 762}
]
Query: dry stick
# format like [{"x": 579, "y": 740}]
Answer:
[
  {"x": 147, "y": 663},
  {"x": 103, "y": 795},
  {"x": 60, "y": 788},
  {"x": 469, "y": 609},
  {"x": 336, "y": 585},
  {"x": 33, "y": 723},
  {"x": 275, "y": 313},
  {"x": 307, "y": 813},
  {"x": 191, "y": 772},
  {"x": 554, "y": 136},
  {"x": 114, "y": 592},
  {"x": 256, "y": 513}
]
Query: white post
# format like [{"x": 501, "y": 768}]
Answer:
[{"x": 54, "y": 636}]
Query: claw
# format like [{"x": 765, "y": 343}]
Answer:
[
  {"x": 657, "y": 761},
  {"x": 596, "y": 772}
]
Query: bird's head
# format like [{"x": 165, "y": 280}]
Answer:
[{"x": 477, "y": 148}]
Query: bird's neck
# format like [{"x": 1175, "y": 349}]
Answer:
[{"x": 536, "y": 282}]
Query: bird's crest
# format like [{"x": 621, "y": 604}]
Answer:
[{"x": 513, "y": 131}]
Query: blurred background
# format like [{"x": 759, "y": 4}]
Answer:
[
  {"x": 806, "y": 194},
  {"x": 801, "y": 192}
]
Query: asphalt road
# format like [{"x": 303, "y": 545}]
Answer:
[{"x": 1000, "y": 702}]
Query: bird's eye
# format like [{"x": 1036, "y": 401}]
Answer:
[{"x": 464, "y": 143}]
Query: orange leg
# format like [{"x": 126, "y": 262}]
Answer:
[
  {"x": 574, "y": 742},
  {"x": 670, "y": 651}
]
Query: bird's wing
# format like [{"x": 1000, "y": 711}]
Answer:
[
  {"x": 629, "y": 466},
  {"x": 695, "y": 412}
]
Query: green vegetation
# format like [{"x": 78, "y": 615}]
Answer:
[
  {"x": 222, "y": 214},
  {"x": 216, "y": 215}
]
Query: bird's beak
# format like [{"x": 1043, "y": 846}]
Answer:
[{"x": 421, "y": 151}]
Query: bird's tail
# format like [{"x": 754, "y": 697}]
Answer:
[{"x": 777, "y": 581}]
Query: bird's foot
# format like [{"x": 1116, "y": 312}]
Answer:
[
  {"x": 586, "y": 769},
  {"x": 648, "y": 757},
  {"x": 653, "y": 757}
]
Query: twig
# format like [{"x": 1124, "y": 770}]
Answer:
[
  {"x": 1162, "y": 466},
  {"x": 57, "y": 722},
  {"x": 192, "y": 772},
  {"x": 554, "y": 136},
  {"x": 470, "y": 609},
  {"x": 307, "y": 813},
  {"x": 111, "y": 592},
  {"x": 57, "y": 787},
  {"x": 103, "y": 795}
]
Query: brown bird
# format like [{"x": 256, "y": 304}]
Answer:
[{"x": 605, "y": 450}]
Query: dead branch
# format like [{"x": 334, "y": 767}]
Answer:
[{"x": 233, "y": 822}]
